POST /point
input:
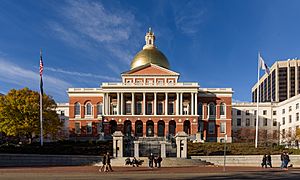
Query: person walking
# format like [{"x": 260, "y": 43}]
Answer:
[
  {"x": 103, "y": 163},
  {"x": 286, "y": 160},
  {"x": 269, "y": 160},
  {"x": 159, "y": 160},
  {"x": 108, "y": 165},
  {"x": 264, "y": 161},
  {"x": 151, "y": 158},
  {"x": 282, "y": 160}
]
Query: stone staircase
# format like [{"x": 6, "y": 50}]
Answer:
[{"x": 167, "y": 162}]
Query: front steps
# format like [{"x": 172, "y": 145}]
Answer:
[{"x": 167, "y": 162}]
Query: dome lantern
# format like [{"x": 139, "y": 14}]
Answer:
[{"x": 150, "y": 54}]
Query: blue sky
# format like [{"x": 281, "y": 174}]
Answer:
[{"x": 85, "y": 43}]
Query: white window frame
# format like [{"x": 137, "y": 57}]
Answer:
[
  {"x": 77, "y": 115},
  {"x": 85, "y": 110},
  {"x": 211, "y": 116},
  {"x": 224, "y": 115},
  {"x": 160, "y": 82},
  {"x": 99, "y": 104},
  {"x": 89, "y": 124},
  {"x": 224, "y": 126}
]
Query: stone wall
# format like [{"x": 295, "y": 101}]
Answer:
[{"x": 249, "y": 160}]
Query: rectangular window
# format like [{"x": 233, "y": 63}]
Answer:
[
  {"x": 160, "y": 82},
  {"x": 247, "y": 122},
  {"x": 283, "y": 111},
  {"x": 264, "y": 112},
  {"x": 290, "y": 108},
  {"x": 238, "y": 122},
  {"x": 128, "y": 108},
  {"x": 99, "y": 128},
  {"x": 139, "y": 82},
  {"x": 223, "y": 127},
  {"x": 283, "y": 121},
  {"x": 255, "y": 112},
  {"x": 247, "y": 113},
  {"x": 77, "y": 128},
  {"x": 238, "y": 112},
  {"x": 274, "y": 122},
  {"x": 150, "y": 82},
  {"x": 99, "y": 109},
  {"x": 274, "y": 113},
  {"x": 297, "y": 116},
  {"x": 139, "y": 108},
  {"x": 265, "y": 122},
  {"x": 255, "y": 122},
  {"x": 283, "y": 133},
  {"x": 89, "y": 128},
  {"x": 275, "y": 134},
  {"x": 290, "y": 118},
  {"x": 114, "y": 109},
  {"x": 211, "y": 128},
  {"x": 160, "y": 108},
  {"x": 149, "y": 108},
  {"x": 171, "y": 108},
  {"x": 297, "y": 106}
]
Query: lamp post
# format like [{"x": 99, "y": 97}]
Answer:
[{"x": 224, "y": 167}]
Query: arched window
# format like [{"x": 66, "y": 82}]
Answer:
[
  {"x": 88, "y": 109},
  {"x": 200, "y": 109},
  {"x": 99, "y": 109},
  {"x": 222, "y": 109},
  {"x": 212, "y": 109},
  {"x": 77, "y": 108}
]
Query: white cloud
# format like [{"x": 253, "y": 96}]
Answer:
[
  {"x": 189, "y": 17},
  {"x": 80, "y": 74},
  {"x": 14, "y": 74},
  {"x": 92, "y": 27}
]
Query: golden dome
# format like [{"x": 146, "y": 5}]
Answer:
[{"x": 150, "y": 54}]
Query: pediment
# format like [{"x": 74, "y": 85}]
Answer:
[{"x": 150, "y": 69}]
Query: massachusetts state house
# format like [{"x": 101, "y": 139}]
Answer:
[{"x": 150, "y": 101}]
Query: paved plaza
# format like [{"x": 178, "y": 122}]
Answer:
[{"x": 124, "y": 173}]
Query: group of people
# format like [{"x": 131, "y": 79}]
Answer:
[
  {"x": 154, "y": 160},
  {"x": 134, "y": 162},
  {"x": 285, "y": 159},
  {"x": 267, "y": 160},
  {"x": 106, "y": 166}
]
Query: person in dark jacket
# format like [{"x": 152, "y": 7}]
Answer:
[
  {"x": 159, "y": 160},
  {"x": 269, "y": 160},
  {"x": 103, "y": 163},
  {"x": 264, "y": 161},
  {"x": 151, "y": 159},
  {"x": 108, "y": 166}
]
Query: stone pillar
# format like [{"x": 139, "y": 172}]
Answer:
[
  {"x": 177, "y": 103},
  {"x": 181, "y": 143},
  {"x": 132, "y": 103},
  {"x": 155, "y": 94},
  {"x": 163, "y": 149},
  {"x": 118, "y": 103},
  {"x": 144, "y": 104},
  {"x": 106, "y": 104},
  {"x": 122, "y": 103},
  {"x": 192, "y": 104},
  {"x": 136, "y": 149},
  {"x": 118, "y": 144},
  {"x": 180, "y": 104},
  {"x": 166, "y": 103},
  {"x": 103, "y": 104},
  {"x": 196, "y": 104}
]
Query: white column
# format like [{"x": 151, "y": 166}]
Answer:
[
  {"x": 180, "y": 104},
  {"x": 109, "y": 104},
  {"x": 192, "y": 103},
  {"x": 166, "y": 104},
  {"x": 122, "y": 104},
  {"x": 103, "y": 104},
  {"x": 177, "y": 103},
  {"x": 118, "y": 104},
  {"x": 288, "y": 80},
  {"x": 144, "y": 103},
  {"x": 196, "y": 104},
  {"x": 132, "y": 103},
  {"x": 155, "y": 103}
]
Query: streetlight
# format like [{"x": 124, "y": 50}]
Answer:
[{"x": 224, "y": 167}]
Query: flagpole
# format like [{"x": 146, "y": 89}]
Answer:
[
  {"x": 257, "y": 101},
  {"x": 41, "y": 108}
]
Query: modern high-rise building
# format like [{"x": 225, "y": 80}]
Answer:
[{"x": 282, "y": 82}]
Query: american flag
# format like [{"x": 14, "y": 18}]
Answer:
[
  {"x": 41, "y": 73},
  {"x": 41, "y": 64}
]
